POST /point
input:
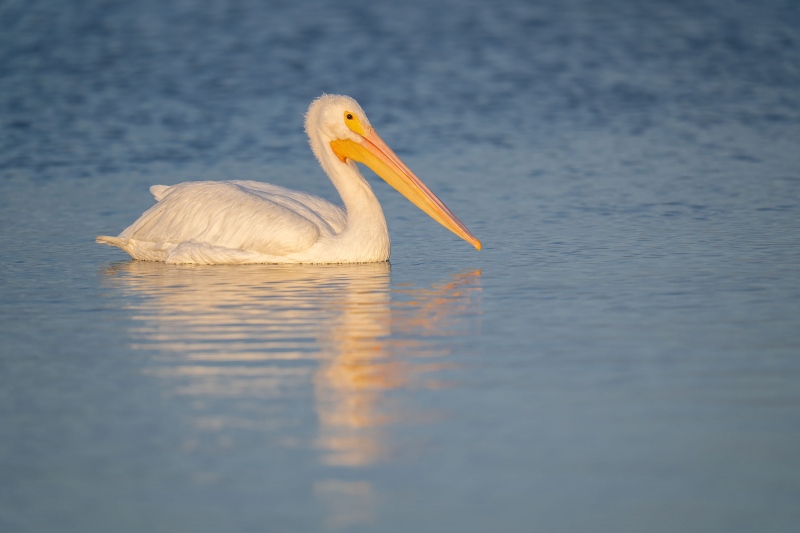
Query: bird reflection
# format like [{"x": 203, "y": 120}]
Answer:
[{"x": 335, "y": 337}]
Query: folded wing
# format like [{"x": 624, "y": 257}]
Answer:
[{"x": 238, "y": 215}]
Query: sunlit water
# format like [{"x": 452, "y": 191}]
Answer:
[{"x": 621, "y": 356}]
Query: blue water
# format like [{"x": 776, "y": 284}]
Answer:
[{"x": 623, "y": 354}]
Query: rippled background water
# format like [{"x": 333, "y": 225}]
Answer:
[{"x": 623, "y": 355}]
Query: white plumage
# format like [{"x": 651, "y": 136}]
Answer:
[{"x": 253, "y": 222}]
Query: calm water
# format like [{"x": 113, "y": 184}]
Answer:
[{"x": 623, "y": 355}]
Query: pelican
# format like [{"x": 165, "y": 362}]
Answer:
[{"x": 236, "y": 222}]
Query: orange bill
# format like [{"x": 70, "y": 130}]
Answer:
[{"x": 374, "y": 153}]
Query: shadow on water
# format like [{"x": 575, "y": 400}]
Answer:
[{"x": 253, "y": 345}]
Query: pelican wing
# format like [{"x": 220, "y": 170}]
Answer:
[
  {"x": 233, "y": 215},
  {"x": 330, "y": 217}
]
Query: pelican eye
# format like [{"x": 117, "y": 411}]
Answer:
[{"x": 353, "y": 123}]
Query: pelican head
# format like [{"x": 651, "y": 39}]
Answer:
[
  {"x": 343, "y": 127},
  {"x": 328, "y": 116}
]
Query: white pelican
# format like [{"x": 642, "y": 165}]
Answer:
[{"x": 252, "y": 222}]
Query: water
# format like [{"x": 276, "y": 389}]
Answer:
[{"x": 621, "y": 356}]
